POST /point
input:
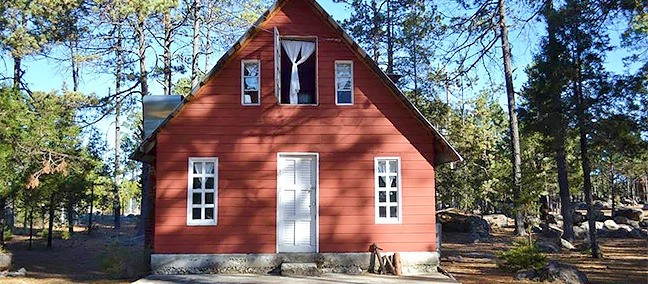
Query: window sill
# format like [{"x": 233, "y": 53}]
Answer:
[
  {"x": 388, "y": 221},
  {"x": 201, "y": 223}
]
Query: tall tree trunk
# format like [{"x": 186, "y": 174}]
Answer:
[
  {"x": 3, "y": 202},
  {"x": 196, "y": 42},
  {"x": 390, "y": 40},
  {"x": 75, "y": 65},
  {"x": 375, "y": 31},
  {"x": 585, "y": 164},
  {"x": 117, "y": 162},
  {"x": 17, "y": 78},
  {"x": 513, "y": 121},
  {"x": 50, "y": 226},
  {"x": 91, "y": 209},
  {"x": 70, "y": 214},
  {"x": 31, "y": 226},
  {"x": 168, "y": 40}
]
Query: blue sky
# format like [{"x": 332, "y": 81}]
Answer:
[{"x": 48, "y": 75}]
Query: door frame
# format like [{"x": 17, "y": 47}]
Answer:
[{"x": 315, "y": 155}]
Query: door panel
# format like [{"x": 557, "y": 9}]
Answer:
[{"x": 297, "y": 209}]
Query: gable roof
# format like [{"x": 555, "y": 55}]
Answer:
[{"x": 443, "y": 151}]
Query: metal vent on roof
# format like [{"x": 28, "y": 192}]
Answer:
[{"x": 156, "y": 110}]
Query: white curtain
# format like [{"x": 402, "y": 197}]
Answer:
[{"x": 293, "y": 49}]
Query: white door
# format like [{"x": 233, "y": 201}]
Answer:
[{"x": 297, "y": 206}]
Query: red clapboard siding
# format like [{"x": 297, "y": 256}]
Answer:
[{"x": 246, "y": 139}]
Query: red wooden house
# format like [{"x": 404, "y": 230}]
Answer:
[{"x": 295, "y": 147}]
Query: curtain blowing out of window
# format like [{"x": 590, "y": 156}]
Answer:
[{"x": 293, "y": 49}]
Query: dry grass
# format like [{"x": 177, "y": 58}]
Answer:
[{"x": 625, "y": 261}]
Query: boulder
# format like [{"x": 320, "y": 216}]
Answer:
[
  {"x": 578, "y": 217},
  {"x": 551, "y": 231},
  {"x": 645, "y": 206},
  {"x": 630, "y": 213},
  {"x": 638, "y": 234},
  {"x": 628, "y": 201},
  {"x": 561, "y": 272},
  {"x": 457, "y": 221},
  {"x": 599, "y": 216},
  {"x": 5, "y": 260},
  {"x": 496, "y": 220},
  {"x": 566, "y": 244},
  {"x": 613, "y": 234},
  {"x": 625, "y": 227},
  {"x": 580, "y": 206},
  {"x": 548, "y": 246},
  {"x": 527, "y": 274},
  {"x": 624, "y": 220},
  {"x": 610, "y": 225},
  {"x": 643, "y": 224},
  {"x": 580, "y": 232},
  {"x": 599, "y": 205}
]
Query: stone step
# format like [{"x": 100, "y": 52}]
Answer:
[{"x": 301, "y": 269}]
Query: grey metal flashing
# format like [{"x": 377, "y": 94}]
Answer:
[{"x": 447, "y": 153}]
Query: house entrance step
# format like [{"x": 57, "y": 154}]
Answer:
[{"x": 303, "y": 269}]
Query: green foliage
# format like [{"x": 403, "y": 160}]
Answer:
[
  {"x": 522, "y": 256},
  {"x": 121, "y": 262}
]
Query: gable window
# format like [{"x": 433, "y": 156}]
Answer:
[
  {"x": 298, "y": 71},
  {"x": 202, "y": 193},
  {"x": 250, "y": 82},
  {"x": 388, "y": 189},
  {"x": 344, "y": 82}
]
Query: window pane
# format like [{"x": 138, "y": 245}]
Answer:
[
  {"x": 392, "y": 182},
  {"x": 382, "y": 211},
  {"x": 196, "y": 198},
  {"x": 209, "y": 184},
  {"x": 392, "y": 196},
  {"x": 209, "y": 213},
  {"x": 393, "y": 166},
  {"x": 344, "y": 83},
  {"x": 381, "y": 181},
  {"x": 344, "y": 97},
  {"x": 251, "y": 69},
  {"x": 343, "y": 70},
  {"x": 382, "y": 196},
  {"x": 195, "y": 213},
  {"x": 197, "y": 168},
  {"x": 251, "y": 83},
  {"x": 209, "y": 168},
  {"x": 393, "y": 211},
  {"x": 197, "y": 183},
  {"x": 209, "y": 198},
  {"x": 251, "y": 97},
  {"x": 381, "y": 167}
]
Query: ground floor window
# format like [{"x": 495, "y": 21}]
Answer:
[
  {"x": 388, "y": 189},
  {"x": 202, "y": 191}
]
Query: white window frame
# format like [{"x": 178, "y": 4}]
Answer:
[
  {"x": 399, "y": 189},
  {"x": 243, "y": 62},
  {"x": 336, "y": 82},
  {"x": 190, "y": 191}
]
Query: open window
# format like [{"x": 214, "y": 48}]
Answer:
[{"x": 296, "y": 70}]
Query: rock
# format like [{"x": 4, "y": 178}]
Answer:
[
  {"x": 580, "y": 232},
  {"x": 580, "y": 206},
  {"x": 626, "y": 228},
  {"x": 599, "y": 216},
  {"x": 630, "y": 213},
  {"x": 598, "y": 225},
  {"x": 614, "y": 234},
  {"x": 21, "y": 272},
  {"x": 638, "y": 234},
  {"x": 643, "y": 224},
  {"x": 610, "y": 225},
  {"x": 645, "y": 206},
  {"x": 628, "y": 201},
  {"x": 551, "y": 231},
  {"x": 561, "y": 272},
  {"x": 566, "y": 244},
  {"x": 599, "y": 205},
  {"x": 528, "y": 274},
  {"x": 496, "y": 220},
  {"x": 477, "y": 228},
  {"x": 548, "y": 246},
  {"x": 5, "y": 260},
  {"x": 578, "y": 217},
  {"x": 457, "y": 258},
  {"x": 536, "y": 229}
]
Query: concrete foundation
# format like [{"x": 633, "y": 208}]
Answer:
[{"x": 349, "y": 263}]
